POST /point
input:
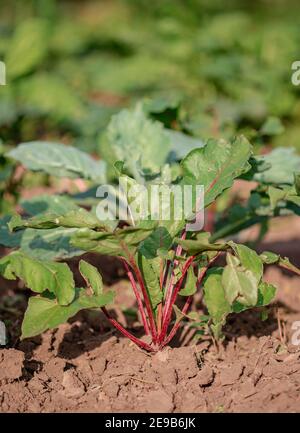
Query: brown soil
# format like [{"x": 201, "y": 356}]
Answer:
[{"x": 85, "y": 366}]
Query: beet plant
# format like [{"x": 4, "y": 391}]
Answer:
[{"x": 164, "y": 260}]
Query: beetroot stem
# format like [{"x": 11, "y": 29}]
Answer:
[
  {"x": 138, "y": 297},
  {"x": 171, "y": 285},
  {"x": 177, "y": 287},
  {"x": 146, "y": 299},
  {"x": 176, "y": 326},
  {"x": 126, "y": 333},
  {"x": 189, "y": 300}
]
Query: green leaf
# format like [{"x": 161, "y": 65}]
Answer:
[
  {"x": 48, "y": 244},
  {"x": 40, "y": 276},
  {"x": 27, "y": 48},
  {"x": 8, "y": 239},
  {"x": 272, "y": 126},
  {"x": 133, "y": 138},
  {"x": 120, "y": 242},
  {"x": 276, "y": 195},
  {"x": 8, "y": 115},
  {"x": 159, "y": 239},
  {"x": 80, "y": 218},
  {"x": 156, "y": 200},
  {"x": 92, "y": 277},
  {"x": 266, "y": 293},
  {"x": 44, "y": 313},
  {"x": 150, "y": 269},
  {"x": 215, "y": 300},
  {"x": 272, "y": 258},
  {"x": 6, "y": 269},
  {"x": 182, "y": 144},
  {"x": 134, "y": 197},
  {"x": 179, "y": 316},
  {"x": 239, "y": 284},
  {"x": 249, "y": 259},
  {"x": 44, "y": 203},
  {"x": 162, "y": 104},
  {"x": 283, "y": 163},
  {"x": 294, "y": 198},
  {"x": 59, "y": 160},
  {"x": 216, "y": 165},
  {"x": 69, "y": 38},
  {"x": 269, "y": 258},
  {"x": 200, "y": 244},
  {"x": 97, "y": 242},
  {"x": 297, "y": 182},
  {"x": 287, "y": 194},
  {"x": 47, "y": 94},
  {"x": 119, "y": 167},
  {"x": 54, "y": 243},
  {"x": 190, "y": 286},
  {"x": 264, "y": 314}
]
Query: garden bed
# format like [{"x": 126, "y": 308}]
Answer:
[{"x": 86, "y": 366}]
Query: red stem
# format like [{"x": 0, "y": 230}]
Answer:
[
  {"x": 138, "y": 297},
  {"x": 171, "y": 285},
  {"x": 126, "y": 333},
  {"x": 159, "y": 318},
  {"x": 176, "y": 326},
  {"x": 189, "y": 300},
  {"x": 168, "y": 314},
  {"x": 146, "y": 299}
]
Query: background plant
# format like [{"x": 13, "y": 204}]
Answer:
[{"x": 70, "y": 66}]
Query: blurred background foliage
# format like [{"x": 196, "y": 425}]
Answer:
[{"x": 205, "y": 67}]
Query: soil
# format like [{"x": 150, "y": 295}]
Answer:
[{"x": 86, "y": 366}]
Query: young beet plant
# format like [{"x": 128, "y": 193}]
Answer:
[{"x": 164, "y": 261}]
